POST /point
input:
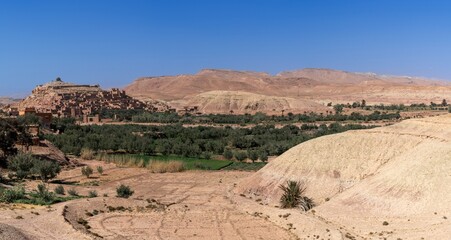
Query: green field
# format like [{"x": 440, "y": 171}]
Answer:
[{"x": 189, "y": 163}]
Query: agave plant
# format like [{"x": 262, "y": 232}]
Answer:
[{"x": 292, "y": 196}]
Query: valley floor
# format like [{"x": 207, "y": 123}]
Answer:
[{"x": 187, "y": 205}]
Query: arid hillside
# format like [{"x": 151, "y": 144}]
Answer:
[
  {"x": 318, "y": 85},
  {"x": 245, "y": 102},
  {"x": 362, "y": 178}
]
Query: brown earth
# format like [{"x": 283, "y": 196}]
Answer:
[{"x": 318, "y": 85}]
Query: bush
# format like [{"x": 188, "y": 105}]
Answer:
[
  {"x": 72, "y": 192},
  {"x": 263, "y": 156},
  {"x": 22, "y": 164},
  {"x": 87, "y": 171},
  {"x": 12, "y": 194},
  {"x": 87, "y": 154},
  {"x": 292, "y": 196},
  {"x": 124, "y": 191},
  {"x": 228, "y": 154},
  {"x": 46, "y": 169},
  {"x": 44, "y": 194},
  {"x": 59, "y": 190},
  {"x": 92, "y": 194},
  {"x": 253, "y": 155},
  {"x": 100, "y": 170},
  {"x": 240, "y": 156}
]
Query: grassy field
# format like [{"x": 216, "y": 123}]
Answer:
[
  {"x": 240, "y": 166},
  {"x": 144, "y": 160}
]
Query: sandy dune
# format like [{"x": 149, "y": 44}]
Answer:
[{"x": 398, "y": 173}]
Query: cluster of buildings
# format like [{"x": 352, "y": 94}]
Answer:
[{"x": 84, "y": 102}]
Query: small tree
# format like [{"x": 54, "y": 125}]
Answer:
[
  {"x": 253, "y": 155},
  {"x": 100, "y": 170},
  {"x": 124, "y": 191},
  {"x": 263, "y": 156},
  {"x": 240, "y": 156},
  {"x": 338, "y": 108},
  {"x": 46, "y": 169},
  {"x": 228, "y": 154},
  {"x": 87, "y": 171},
  {"x": 22, "y": 164}
]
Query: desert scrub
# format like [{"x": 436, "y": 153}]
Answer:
[
  {"x": 124, "y": 191},
  {"x": 92, "y": 194},
  {"x": 12, "y": 194},
  {"x": 87, "y": 154},
  {"x": 87, "y": 171},
  {"x": 163, "y": 167},
  {"x": 59, "y": 190},
  {"x": 72, "y": 192},
  {"x": 100, "y": 170},
  {"x": 292, "y": 196}
]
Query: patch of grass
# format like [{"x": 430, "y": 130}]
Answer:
[
  {"x": 136, "y": 160},
  {"x": 87, "y": 154},
  {"x": 242, "y": 166},
  {"x": 163, "y": 166}
]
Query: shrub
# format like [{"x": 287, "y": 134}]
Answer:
[
  {"x": 228, "y": 154},
  {"x": 22, "y": 164},
  {"x": 87, "y": 171},
  {"x": 124, "y": 191},
  {"x": 100, "y": 170},
  {"x": 44, "y": 194},
  {"x": 12, "y": 194},
  {"x": 240, "y": 156},
  {"x": 87, "y": 154},
  {"x": 92, "y": 194},
  {"x": 263, "y": 156},
  {"x": 72, "y": 192},
  {"x": 253, "y": 155},
  {"x": 292, "y": 196},
  {"x": 59, "y": 190},
  {"x": 46, "y": 169}
]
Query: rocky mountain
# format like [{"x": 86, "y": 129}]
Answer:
[{"x": 307, "y": 85}]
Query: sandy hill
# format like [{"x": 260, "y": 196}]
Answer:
[
  {"x": 319, "y": 85},
  {"x": 400, "y": 172}
]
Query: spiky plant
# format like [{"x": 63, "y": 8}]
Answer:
[{"x": 292, "y": 196}]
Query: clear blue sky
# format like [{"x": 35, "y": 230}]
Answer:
[{"x": 113, "y": 42}]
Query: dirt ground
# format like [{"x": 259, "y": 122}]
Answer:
[{"x": 188, "y": 205}]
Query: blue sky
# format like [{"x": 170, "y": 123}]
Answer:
[{"x": 113, "y": 42}]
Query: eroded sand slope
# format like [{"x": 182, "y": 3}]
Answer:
[{"x": 400, "y": 172}]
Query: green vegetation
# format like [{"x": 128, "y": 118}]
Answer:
[
  {"x": 40, "y": 196},
  {"x": 100, "y": 170},
  {"x": 292, "y": 196},
  {"x": 87, "y": 171},
  {"x": 25, "y": 165},
  {"x": 92, "y": 194},
  {"x": 124, "y": 191},
  {"x": 240, "y": 166},
  {"x": 59, "y": 190},
  {"x": 137, "y": 160},
  {"x": 194, "y": 142}
]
